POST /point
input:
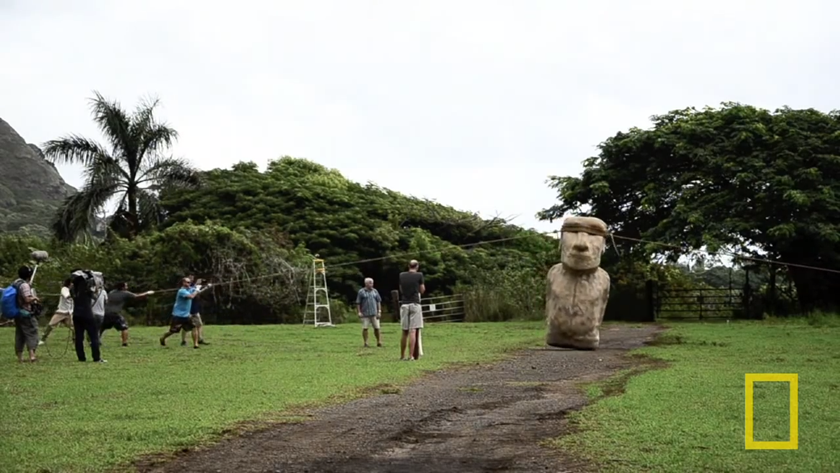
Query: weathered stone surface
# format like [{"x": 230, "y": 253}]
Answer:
[
  {"x": 31, "y": 189},
  {"x": 577, "y": 288}
]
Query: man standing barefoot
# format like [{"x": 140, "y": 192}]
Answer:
[
  {"x": 412, "y": 286},
  {"x": 370, "y": 311}
]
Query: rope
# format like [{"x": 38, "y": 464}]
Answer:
[
  {"x": 611, "y": 235},
  {"x": 734, "y": 255},
  {"x": 46, "y": 346}
]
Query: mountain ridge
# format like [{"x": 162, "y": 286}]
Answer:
[{"x": 31, "y": 188}]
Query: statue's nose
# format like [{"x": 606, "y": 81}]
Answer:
[{"x": 580, "y": 247}]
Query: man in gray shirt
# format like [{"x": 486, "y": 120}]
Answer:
[
  {"x": 369, "y": 303},
  {"x": 412, "y": 286},
  {"x": 113, "y": 318}
]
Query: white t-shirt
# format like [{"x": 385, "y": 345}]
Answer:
[
  {"x": 65, "y": 302},
  {"x": 98, "y": 307}
]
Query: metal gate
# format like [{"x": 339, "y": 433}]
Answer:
[
  {"x": 443, "y": 308},
  {"x": 697, "y": 303}
]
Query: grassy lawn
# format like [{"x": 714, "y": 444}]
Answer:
[
  {"x": 690, "y": 416},
  {"x": 62, "y": 415}
]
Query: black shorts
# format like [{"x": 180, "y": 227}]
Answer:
[
  {"x": 115, "y": 321},
  {"x": 179, "y": 323}
]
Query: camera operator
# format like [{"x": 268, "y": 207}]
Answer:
[{"x": 83, "y": 293}]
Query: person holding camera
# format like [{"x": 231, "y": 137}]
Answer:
[
  {"x": 84, "y": 321},
  {"x": 26, "y": 323}
]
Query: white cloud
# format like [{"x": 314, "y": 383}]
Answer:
[{"x": 472, "y": 103}]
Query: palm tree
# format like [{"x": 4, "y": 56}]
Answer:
[{"x": 132, "y": 167}]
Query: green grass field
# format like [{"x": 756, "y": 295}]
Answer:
[
  {"x": 689, "y": 417},
  {"x": 62, "y": 415}
]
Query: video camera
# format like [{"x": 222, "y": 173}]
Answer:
[{"x": 85, "y": 280}]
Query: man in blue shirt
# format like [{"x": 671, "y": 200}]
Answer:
[
  {"x": 195, "y": 314},
  {"x": 181, "y": 312}
]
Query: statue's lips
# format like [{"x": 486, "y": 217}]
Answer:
[{"x": 580, "y": 256}]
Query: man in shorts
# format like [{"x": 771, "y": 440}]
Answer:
[
  {"x": 63, "y": 313},
  {"x": 181, "y": 312},
  {"x": 370, "y": 311},
  {"x": 195, "y": 315},
  {"x": 412, "y": 286},
  {"x": 116, "y": 301}
]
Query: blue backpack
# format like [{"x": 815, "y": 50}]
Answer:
[{"x": 9, "y": 301}]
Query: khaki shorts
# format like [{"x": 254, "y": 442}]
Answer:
[
  {"x": 411, "y": 316},
  {"x": 196, "y": 320},
  {"x": 61, "y": 317},
  {"x": 368, "y": 321}
]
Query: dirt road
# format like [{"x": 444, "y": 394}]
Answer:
[{"x": 491, "y": 418}]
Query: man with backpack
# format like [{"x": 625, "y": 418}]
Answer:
[{"x": 20, "y": 304}]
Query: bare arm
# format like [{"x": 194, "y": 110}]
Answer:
[
  {"x": 422, "y": 289},
  {"x": 196, "y": 293},
  {"x": 27, "y": 295}
]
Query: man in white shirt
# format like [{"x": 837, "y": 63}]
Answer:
[
  {"x": 64, "y": 312},
  {"x": 100, "y": 298}
]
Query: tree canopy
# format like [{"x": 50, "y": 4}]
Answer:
[
  {"x": 736, "y": 177},
  {"x": 360, "y": 230}
]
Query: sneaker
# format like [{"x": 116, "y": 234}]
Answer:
[
  {"x": 101, "y": 361},
  {"x": 202, "y": 342},
  {"x": 183, "y": 343},
  {"x": 195, "y": 346},
  {"x": 162, "y": 342},
  {"x": 40, "y": 342},
  {"x": 125, "y": 344},
  {"x": 379, "y": 345}
]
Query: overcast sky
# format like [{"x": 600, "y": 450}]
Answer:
[{"x": 471, "y": 103}]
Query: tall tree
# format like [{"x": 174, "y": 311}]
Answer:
[
  {"x": 133, "y": 167},
  {"x": 757, "y": 182}
]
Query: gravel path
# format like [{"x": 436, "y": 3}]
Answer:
[{"x": 491, "y": 418}]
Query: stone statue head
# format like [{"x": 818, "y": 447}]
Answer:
[{"x": 583, "y": 241}]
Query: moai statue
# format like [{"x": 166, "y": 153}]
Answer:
[{"x": 578, "y": 289}]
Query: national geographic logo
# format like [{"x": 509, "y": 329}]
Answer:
[{"x": 749, "y": 436}]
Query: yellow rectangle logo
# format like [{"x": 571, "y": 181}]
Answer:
[{"x": 749, "y": 435}]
